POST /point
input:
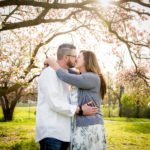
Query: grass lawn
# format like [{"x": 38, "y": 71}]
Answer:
[
  {"x": 128, "y": 136},
  {"x": 127, "y": 119},
  {"x": 19, "y": 133}
]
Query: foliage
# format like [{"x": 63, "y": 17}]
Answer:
[
  {"x": 110, "y": 111},
  {"x": 145, "y": 112},
  {"x": 129, "y": 107},
  {"x": 138, "y": 94}
]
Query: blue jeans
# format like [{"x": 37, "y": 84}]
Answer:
[{"x": 53, "y": 144}]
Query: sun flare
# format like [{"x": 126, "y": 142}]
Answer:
[{"x": 105, "y": 3}]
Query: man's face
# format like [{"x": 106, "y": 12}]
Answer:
[{"x": 72, "y": 59}]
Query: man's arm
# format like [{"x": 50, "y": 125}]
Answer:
[
  {"x": 48, "y": 84},
  {"x": 50, "y": 88}
]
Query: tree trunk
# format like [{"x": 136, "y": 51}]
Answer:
[
  {"x": 120, "y": 108},
  {"x": 8, "y": 106},
  {"x": 109, "y": 103},
  {"x": 137, "y": 109},
  {"x": 120, "y": 104},
  {"x": 8, "y": 114}
]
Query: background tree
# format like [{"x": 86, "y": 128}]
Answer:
[
  {"x": 139, "y": 93},
  {"x": 117, "y": 88}
]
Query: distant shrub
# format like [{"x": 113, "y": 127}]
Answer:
[
  {"x": 129, "y": 107},
  {"x": 145, "y": 112},
  {"x": 110, "y": 111}
]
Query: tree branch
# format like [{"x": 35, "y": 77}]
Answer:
[
  {"x": 117, "y": 3},
  {"x": 33, "y": 78},
  {"x": 139, "y": 13},
  {"x": 40, "y": 19},
  {"x": 10, "y": 15},
  {"x": 46, "y": 4}
]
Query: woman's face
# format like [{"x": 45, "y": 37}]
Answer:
[{"x": 80, "y": 61}]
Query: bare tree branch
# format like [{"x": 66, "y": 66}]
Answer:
[
  {"x": 36, "y": 21},
  {"x": 10, "y": 15},
  {"x": 117, "y": 3},
  {"x": 46, "y": 4},
  {"x": 139, "y": 13}
]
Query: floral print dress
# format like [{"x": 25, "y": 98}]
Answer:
[{"x": 90, "y": 137}]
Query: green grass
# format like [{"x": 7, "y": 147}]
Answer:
[
  {"x": 127, "y": 119},
  {"x": 26, "y": 104},
  {"x": 128, "y": 136},
  {"x": 19, "y": 133}
]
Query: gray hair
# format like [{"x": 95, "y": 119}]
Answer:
[{"x": 64, "y": 49}]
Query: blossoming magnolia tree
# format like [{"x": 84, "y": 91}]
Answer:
[
  {"x": 120, "y": 21},
  {"x": 26, "y": 26},
  {"x": 17, "y": 69},
  {"x": 20, "y": 62}
]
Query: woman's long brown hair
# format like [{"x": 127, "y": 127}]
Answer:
[{"x": 91, "y": 65}]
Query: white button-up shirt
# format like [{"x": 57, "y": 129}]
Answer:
[{"x": 53, "y": 109}]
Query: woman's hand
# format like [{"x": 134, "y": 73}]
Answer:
[
  {"x": 45, "y": 64},
  {"x": 52, "y": 62}
]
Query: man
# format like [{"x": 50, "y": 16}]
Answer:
[{"x": 53, "y": 109}]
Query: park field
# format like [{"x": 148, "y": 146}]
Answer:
[{"x": 19, "y": 133}]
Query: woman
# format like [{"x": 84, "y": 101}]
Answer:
[{"x": 88, "y": 132}]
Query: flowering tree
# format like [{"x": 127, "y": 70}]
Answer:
[
  {"x": 20, "y": 61},
  {"x": 120, "y": 23},
  {"x": 16, "y": 69}
]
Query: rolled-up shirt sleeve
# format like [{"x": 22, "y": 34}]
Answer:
[{"x": 49, "y": 86}]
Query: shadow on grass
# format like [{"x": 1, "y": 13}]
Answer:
[
  {"x": 19, "y": 120},
  {"x": 137, "y": 119},
  {"x": 28, "y": 145},
  {"x": 2, "y": 120},
  {"x": 138, "y": 127}
]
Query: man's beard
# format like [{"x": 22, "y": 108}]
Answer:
[{"x": 70, "y": 64}]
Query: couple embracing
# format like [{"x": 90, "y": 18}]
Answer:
[{"x": 70, "y": 119}]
